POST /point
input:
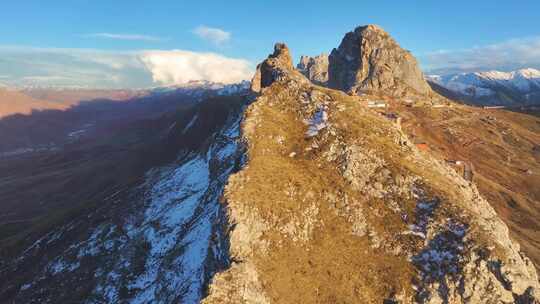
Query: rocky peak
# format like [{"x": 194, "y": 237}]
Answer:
[
  {"x": 335, "y": 204},
  {"x": 304, "y": 62},
  {"x": 369, "y": 59},
  {"x": 282, "y": 55},
  {"x": 277, "y": 67},
  {"x": 314, "y": 68}
]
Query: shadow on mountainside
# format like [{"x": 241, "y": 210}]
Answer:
[{"x": 43, "y": 186}]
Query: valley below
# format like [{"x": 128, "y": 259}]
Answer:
[{"x": 348, "y": 179}]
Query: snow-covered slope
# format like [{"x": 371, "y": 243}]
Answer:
[
  {"x": 156, "y": 242},
  {"x": 200, "y": 87},
  {"x": 494, "y": 87}
]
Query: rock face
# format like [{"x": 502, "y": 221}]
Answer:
[
  {"x": 368, "y": 59},
  {"x": 277, "y": 66},
  {"x": 314, "y": 68},
  {"x": 335, "y": 205}
]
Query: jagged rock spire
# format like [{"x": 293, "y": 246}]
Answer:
[
  {"x": 277, "y": 66},
  {"x": 282, "y": 55},
  {"x": 314, "y": 68},
  {"x": 368, "y": 58}
]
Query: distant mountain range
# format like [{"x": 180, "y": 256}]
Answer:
[
  {"x": 295, "y": 191},
  {"x": 24, "y": 100},
  {"x": 515, "y": 88},
  {"x": 12, "y": 102}
]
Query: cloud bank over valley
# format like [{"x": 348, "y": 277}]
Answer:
[{"x": 63, "y": 67}]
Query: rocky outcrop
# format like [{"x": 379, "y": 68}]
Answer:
[
  {"x": 314, "y": 68},
  {"x": 368, "y": 59},
  {"x": 336, "y": 205},
  {"x": 277, "y": 66}
]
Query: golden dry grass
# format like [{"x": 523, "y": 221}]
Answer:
[
  {"x": 501, "y": 146},
  {"x": 331, "y": 265}
]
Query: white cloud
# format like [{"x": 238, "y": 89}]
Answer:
[
  {"x": 177, "y": 67},
  {"x": 214, "y": 35},
  {"x": 44, "y": 78},
  {"x": 67, "y": 67},
  {"x": 22, "y": 66},
  {"x": 507, "y": 55},
  {"x": 124, "y": 37}
]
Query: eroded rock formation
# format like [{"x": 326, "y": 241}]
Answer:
[
  {"x": 314, "y": 68},
  {"x": 368, "y": 59},
  {"x": 278, "y": 65}
]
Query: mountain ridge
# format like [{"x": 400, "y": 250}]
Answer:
[
  {"x": 342, "y": 168},
  {"x": 24, "y": 100},
  {"x": 14, "y": 102},
  {"x": 519, "y": 87},
  {"x": 292, "y": 193}
]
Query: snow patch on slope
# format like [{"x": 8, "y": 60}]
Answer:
[
  {"x": 167, "y": 248},
  {"x": 318, "y": 122},
  {"x": 177, "y": 227},
  {"x": 485, "y": 83}
]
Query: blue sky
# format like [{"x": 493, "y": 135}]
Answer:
[{"x": 38, "y": 38}]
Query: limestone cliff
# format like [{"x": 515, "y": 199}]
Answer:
[
  {"x": 314, "y": 68},
  {"x": 368, "y": 59},
  {"x": 277, "y": 66}
]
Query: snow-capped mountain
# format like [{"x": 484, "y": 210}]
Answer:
[
  {"x": 521, "y": 87},
  {"x": 74, "y": 94},
  {"x": 197, "y": 86},
  {"x": 290, "y": 193}
]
